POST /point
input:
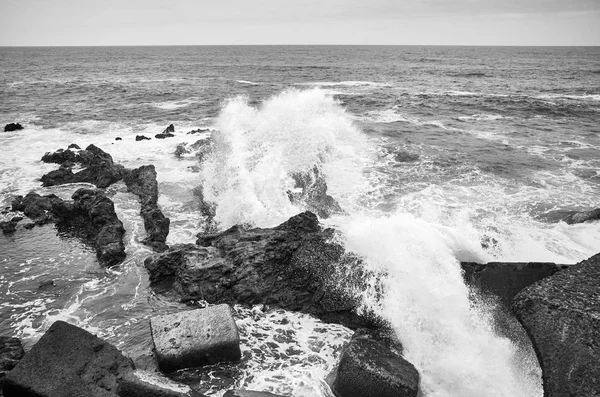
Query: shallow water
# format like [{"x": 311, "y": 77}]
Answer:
[{"x": 431, "y": 151}]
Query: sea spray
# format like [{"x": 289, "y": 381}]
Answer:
[{"x": 256, "y": 151}]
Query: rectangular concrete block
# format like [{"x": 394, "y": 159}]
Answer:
[{"x": 195, "y": 338}]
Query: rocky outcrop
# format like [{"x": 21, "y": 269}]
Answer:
[
  {"x": 311, "y": 190},
  {"x": 198, "y": 131},
  {"x": 142, "y": 182},
  {"x": 12, "y": 127},
  {"x": 141, "y": 138},
  {"x": 195, "y": 338},
  {"x": 90, "y": 216},
  {"x": 561, "y": 314},
  {"x": 505, "y": 280},
  {"x": 167, "y": 133},
  {"x": 295, "y": 266},
  {"x": 584, "y": 216},
  {"x": 100, "y": 169},
  {"x": 372, "y": 365},
  {"x": 68, "y": 361},
  {"x": 11, "y": 352}
]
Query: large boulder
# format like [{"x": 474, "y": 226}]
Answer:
[
  {"x": 561, "y": 314},
  {"x": 505, "y": 280},
  {"x": 195, "y": 338},
  {"x": 11, "y": 352},
  {"x": 167, "y": 133},
  {"x": 372, "y": 365},
  {"x": 100, "y": 169},
  {"x": 68, "y": 361},
  {"x": 584, "y": 216},
  {"x": 295, "y": 266},
  {"x": 142, "y": 182},
  {"x": 10, "y": 127},
  {"x": 35, "y": 206}
]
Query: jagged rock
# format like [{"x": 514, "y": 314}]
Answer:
[
  {"x": 195, "y": 338},
  {"x": 100, "y": 169},
  {"x": 561, "y": 314},
  {"x": 167, "y": 133},
  {"x": 249, "y": 393},
  {"x": 505, "y": 280},
  {"x": 142, "y": 182},
  {"x": 372, "y": 365},
  {"x": 581, "y": 217},
  {"x": 68, "y": 361},
  {"x": 182, "y": 149},
  {"x": 12, "y": 127},
  {"x": 73, "y": 146},
  {"x": 294, "y": 266},
  {"x": 147, "y": 384},
  {"x": 11, "y": 352},
  {"x": 311, "y": 190},
  {"x": 170, "y": 128},
  {"x": 141, "y": 138},
  {"x": 35, "y": 206},
  {"x": 198, "y": 131}
]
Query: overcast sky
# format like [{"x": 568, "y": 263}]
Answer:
[{"x": 165, "y": 22}]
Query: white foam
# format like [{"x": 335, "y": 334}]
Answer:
[
  {"x": 247, "y": 82},
  {"x": 172, "y": 105}
]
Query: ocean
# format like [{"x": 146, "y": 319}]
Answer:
[{"x": 437, "y": 155}]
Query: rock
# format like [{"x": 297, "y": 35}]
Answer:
[
  {"x": 142, "y": 182},
  {"x": 561, "y": 315},
  {"x": 581, "y": 217},
  {"x": 294, "y": 266},
  {"x": 148, "y": 384},
  {"x": 170, "y": 128},
  {"x": 8, "y": 226},
  {"x": 372, "y": 365},
  {"x": 12, "y": 127},
  {"x": 68, "y": 361},
  {"x": 11, "y": 352},
  {"x": 195, "y": 338},
  {"x": 35, "y": 206},
  {"x": 249, "y": 393},
  {"x": 311, "y": 190},
  {"x": 118, "y": 138},
  {"x": 198, "y": 131},
  {"x": 29, "y": 225},
  {"x": 92, "y": 216},
  {"x": 181, "y": 149},
  {"x": 73, "y": 146},
  {"x": 100, "y": 169},
  {"x": 141, "y": 138},
  {"x": 505, "y": 280},
  {"x": 167, "y": 133},
  {"x": 406, "y": 157}
]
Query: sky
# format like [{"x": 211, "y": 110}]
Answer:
[{"x": 216, "y": 22}]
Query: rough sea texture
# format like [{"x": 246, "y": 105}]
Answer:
[{"x": 438, "y": 155}]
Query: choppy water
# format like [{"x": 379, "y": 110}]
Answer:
[{"x": 431, "y": 150}]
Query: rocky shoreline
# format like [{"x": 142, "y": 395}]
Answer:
[{"x": 296, "y": 266}]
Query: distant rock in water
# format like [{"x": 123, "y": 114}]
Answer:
[
  {"x": 561, "y": 314},
  {"x": 118, "y": 138},
  {"x": 406, "y": 157},
  {"x": 581, "y": 217},
  {"x": 141, "y": 138},
  {"x": 311, "y": 191},
  {"x": 12, "y": 127},
  {"x": 167, "y": 133},
  {"x": 198, "y": 131},
  {"x": 294, "y": 266},
  {"x": 90, "y": 216}
]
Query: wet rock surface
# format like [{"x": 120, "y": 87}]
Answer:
[
  {"x": 167, "y": 133},
  {"x": 147, "y": 384},
  {"x": 584, "y": 216},
  {"x": 372, "y": 365},
  {"x": 294, "y": 266},
  {"x": 11, "y": 352},
  {"x": 561, "y": 314},
  {"x": 195, "y": 338},
  {"x": 141, "y": 138},
  {"x": 10, "y": 127}
]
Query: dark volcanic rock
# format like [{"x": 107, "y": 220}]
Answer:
[
  {"x": 561, "y": 314},
  {"x": 142, "y": 182},
  {"x": 294, "y": 266},
  {"x": 372, "y": 365},
  {"x": 12, "y": 127},
  {"x": 100, "y": 169},
  {"x": 68, "y": 361},
  {"x": 118, "y": 138},
  {"x": 11, "y": 352},
  {"x": 167, "y": 133},
  {"x": 73, "y": 146},
  {"x": 9, "y": 226},
  {"x": 313, "y": 194},
  {"x": 36, "y": 207},
  {"x": 505, "y": 280},
  {"x": 141, "y": 138},
  {"x": 581, "y": 217}
]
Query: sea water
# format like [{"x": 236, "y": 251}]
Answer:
[{"x": 437, "y": 154}]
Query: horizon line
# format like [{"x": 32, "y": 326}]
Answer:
[{"x": 296, "y": 45}]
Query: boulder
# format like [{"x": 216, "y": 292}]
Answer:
[
  {"x": 12, "y": 127},
  {"x": 36, "y": 207},
  {"x": 311, "y": 190},
  {"x": 141, "y": 138},
  {"x": 249, "y": 393},
  {"x": 9, "y": 226},
  {"x": 372, "y": 365},
  {"x": 167, "y": 133},
  {"x": 100, "y": 169},
  {"x": 505, "y": 280},
  {"x": 73, "y": 146},
  {"x": 68, "y": 361},
  {"x": 295, "y": 266},
  {"x": 195, "y": 338},
  {"x": 561, "y": 315},
  {"x": 11, "y": 352},
  {"x": 142, "y": 182},
  {"x": 118, "y": 138},
  {"x": 148, "y": 384},
  {"x": 584, "y": 216}
]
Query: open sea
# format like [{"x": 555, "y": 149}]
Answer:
[{"x": 437, "y": 154}]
